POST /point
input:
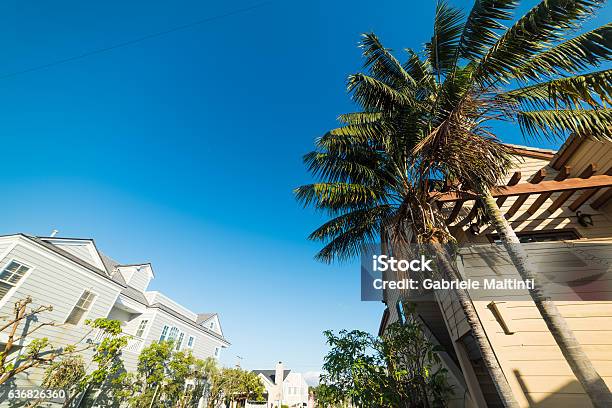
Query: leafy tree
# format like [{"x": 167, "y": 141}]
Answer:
[
  {"x": 162, "y": 375},
  {"x": 69, "y": 372},
  {"x": 230, "y": 385},
  {"x": 425, "y": 124},
  {"x": 21, "y": 325},
  {"x": 400, "y": 369}
]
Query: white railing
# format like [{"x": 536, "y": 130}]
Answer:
[{"x": 133, "y": 346}]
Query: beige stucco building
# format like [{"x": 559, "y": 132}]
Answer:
[{"x": 559, "y": 203}]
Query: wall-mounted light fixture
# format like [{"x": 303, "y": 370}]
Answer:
[
  {"x": 475, "y": 228},
  {"x": 584, "y": 219}
]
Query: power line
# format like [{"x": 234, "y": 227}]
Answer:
[{"x": 136, "y": 40}]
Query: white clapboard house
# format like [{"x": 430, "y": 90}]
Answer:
[{"x": 81, "y": 283}]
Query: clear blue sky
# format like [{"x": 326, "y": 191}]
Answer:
[{"x": 183, "y": 150}]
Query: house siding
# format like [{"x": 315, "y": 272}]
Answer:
[{"x": 59, "y": 284}]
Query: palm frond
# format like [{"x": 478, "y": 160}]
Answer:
[
  {"x": 481, "y": 26},
  {"x": 383, "y": 65},
  {"x": 572, "y": 56},
  {"x": 442, "y": 48},
  {"x": 593, "y": 89},
  {"x": 558, "y": 123},
  {"x": 346, "y": 234},
  {"x": 339, "y": 196},
  {"x": 359, "y": 118},
  {"x": 361, "y": 166},
  {"x": 374, "y": 95},
  {"x": 540, "y": 27}
]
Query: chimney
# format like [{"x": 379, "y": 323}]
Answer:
[
  {"x": 54, "y": 233},
  {"x": 278, "y": 379}
]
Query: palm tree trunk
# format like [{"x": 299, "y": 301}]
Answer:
[
  {"x": 583, "y": 369},
  {"x": 488, "y": 356}
]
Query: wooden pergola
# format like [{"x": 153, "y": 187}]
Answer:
[{"x": 587, "y": 184}]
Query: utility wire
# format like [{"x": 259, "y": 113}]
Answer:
[{"x": 136, "y": 40}]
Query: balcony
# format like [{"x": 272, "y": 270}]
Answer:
[{"x": 134, "y": 344}]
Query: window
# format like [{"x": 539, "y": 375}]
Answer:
[
  {"x": 164, "y": 333},
  {"x": 216, "y": 351},
  {"x": 141, "y": 328},
  {"x": 9, "y": 277},
  {"x": 173, "y": 334},
  {"x": 81, "y": 307},
  {"x": 190, "y": 342},
  {"x": 179, "y": 343},
  {"x": 212, "y": 326}
]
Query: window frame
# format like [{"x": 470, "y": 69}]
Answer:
[
  {"x": 164, "y": 333},
  {"x": 16, "y": 285},
  {"x": 176, "y": 333},
  {"x": 86, "y": 311},
  {"x": 190, "y": 342},
  {"x": 179, "y": 341},
  {"x": 142, "y": 329}
]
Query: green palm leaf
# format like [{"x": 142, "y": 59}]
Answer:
[
  {"x": 375, "y": 95},
  {"x": 383, "y": 65},
  {"x": 481, "y": 26},
  {"x": 540, "y": 27},
  {"x": 442, "y": 48},
  {"x": 592, "y": 88},
  {"x": 339, "y": 196},
  {"x": 556, "y": 123},
  {"x": 587, "y": 50}
]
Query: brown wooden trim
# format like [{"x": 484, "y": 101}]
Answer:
[
  {"x": 570, "y": 184},
  {"x": 514, "y": 180},
  {"x": 470, "y": 216},
  {"x": 539, "y": 176},
  {"x": 567, "y": 151},
  {"x": 586, "y": 173},
  {"x": 563, "y": 174},
  {"x": 455, "y": 212},
  {"x": 536, "y": 154},
  {"x": 602, "y": 199},
  {"x": 583, "y": 198}
]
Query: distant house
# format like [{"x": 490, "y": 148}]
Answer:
[
  {"x": 81, "y": 283},
  {"x": 284, "y": 387}
]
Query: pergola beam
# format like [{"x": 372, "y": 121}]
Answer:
[
  {"x": 573, "y": 144},
  {"x": 586, "y": 173},
  {"x": 520, "y": 200},
  {"x": 514, "y": 180},
  {"x": 562, "y": 175},
  {"x": 552, "y": 186},
  {"x": 584, "y": 197},
  {"x": 602, "y": 199}
]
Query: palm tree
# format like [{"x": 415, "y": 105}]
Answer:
[{"x": 426, "y": 121}]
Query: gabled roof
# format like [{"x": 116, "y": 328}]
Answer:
[
  {"x": 202, "y": 317},
  {"x": 187, "y": 320},
  {"x": 271, "y": 374},
  {"x": 134, "y": 294},
  {"x": 110, "y": 274}
]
